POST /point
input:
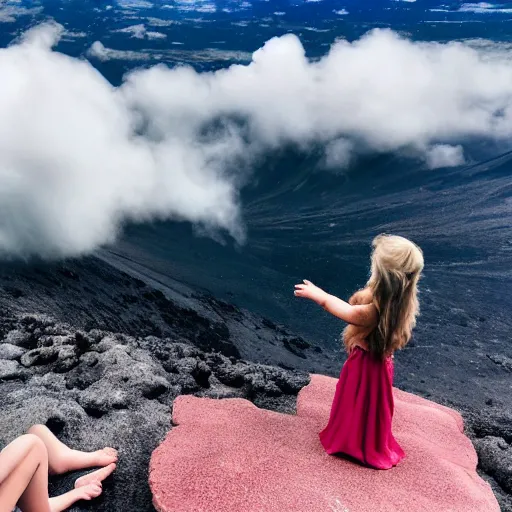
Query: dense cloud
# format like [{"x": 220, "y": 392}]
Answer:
[{"x": 78, "y": 157}]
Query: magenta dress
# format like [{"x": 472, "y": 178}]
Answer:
[{"x": 362, "y": 412}]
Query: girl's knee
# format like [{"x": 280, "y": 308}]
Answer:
[
  {"x": 35, "y": 429},
  {"x": 34, "y": 443}
]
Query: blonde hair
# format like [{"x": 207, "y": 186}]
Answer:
[{"x": 396, "y": 269}]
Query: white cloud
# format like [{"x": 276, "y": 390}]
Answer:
[
  {"x": 444, "y": 155},
  {"x": 79, "y": 157},
  {"x": 137, "y": 31},
  {"x": 9, "y": 13},
  {"x": 196, "y": 5},
  {"x": 484, "y": 8},
  {"x": 314, "y": 29},
  {"x": 73, "y": 169},
  {"x": 338, "y": 154},
  {"x": 458, "y": 22},
  {"x": 157, "y": 22},
  {"x": 134, "y": 4},
  {"x": 99, "y": 51},
  {"x": 202, "y": 8},
  {"x": 155, "y": 35},
  {"x": 140, "y": 32},
  {"x": 341, "y": 12},
  {"x": 70, "y": 35}
]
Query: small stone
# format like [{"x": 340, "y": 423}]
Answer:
[
  {"x": 20, "y": 338},
  {"x": 8, "y": 351},
  {"x": 232, "y": 375},
  {"x": 10, "y": 370},
  {"x": 154, "y": 387},
  {"x": 39, "y": 356},
  {"x": 201, "y": 374},
  {"x": 256, "y": 383},
  {"x": 501, "y": 360},
  {"x": 97, "y": 402},
  {"x": 495, "y": 458},
  {"x": 292, "y": 383},
  {"x": 107, "y": 343},
  {"x": 49, "y": 380},
  {"x": 65, "y": 365},
  {"x": 89, "y": 359}
]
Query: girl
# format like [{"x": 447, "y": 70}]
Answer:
[
  {"x": 381, "y": 318},
  {"x": 24, "y": 467}
]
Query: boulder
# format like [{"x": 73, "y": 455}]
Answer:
[{"x": 228, "y": 455}]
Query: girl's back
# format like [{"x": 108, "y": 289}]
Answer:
[{"x": 380, "y": 320}]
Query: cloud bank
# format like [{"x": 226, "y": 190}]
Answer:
[{"x": 79, "y": 158}]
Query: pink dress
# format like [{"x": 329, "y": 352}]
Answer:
[{"x": 362, "y": 412}]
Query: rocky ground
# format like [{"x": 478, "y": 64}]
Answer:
[
  {"x": 99, "y": 388},
  {"x": 99, "y": 356}
]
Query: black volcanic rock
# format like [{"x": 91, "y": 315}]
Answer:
[
  {"x": 10, "y": 370},
  {"x": 101, "y": 356},
  {"x": 93, "y": 297},
  {"x": 110, "y": 389},
  {"x": 495, "y": 458},
  {"x": 10, "y": 352},
  {"x": 39, "y": 356},
  {"x": 503, "y": 361}
]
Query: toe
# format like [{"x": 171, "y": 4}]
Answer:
[{"x": 111, "y": 452}]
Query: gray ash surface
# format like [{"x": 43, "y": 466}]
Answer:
[{"x": 99, "y": 355}]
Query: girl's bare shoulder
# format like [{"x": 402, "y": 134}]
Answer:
[{"x": 361, "y": 297}]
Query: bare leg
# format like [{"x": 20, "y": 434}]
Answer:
[
  {"x": 62, "y": 459},
  {"x": 24, "y": 481},
  {"x": 64, "y": 501}
]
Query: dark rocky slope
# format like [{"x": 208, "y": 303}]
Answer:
[
  {"x": 100, "y": 388},
  {"x": 99, "y": 356}
]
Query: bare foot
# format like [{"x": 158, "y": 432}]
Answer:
[
  {"x": 105, "y": 457},
  {"x": 95, "y": 476},
  {"x": 87, "y": 492}
]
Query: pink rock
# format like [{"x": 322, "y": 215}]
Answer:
[{"x": 230, "y": 456}]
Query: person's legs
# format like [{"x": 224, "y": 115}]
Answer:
[
  {"x": 62, "y": 459},
  {"x": 27, "y": 481},
  {"x": 64, "y": 501},
  {"x": 95, "y": 476}
]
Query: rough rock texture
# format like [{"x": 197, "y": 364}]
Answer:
[
  {"x": 98, "y": 388},
  {"x": 91, "y": 294},
  {"x": 230, "y": 456},
  {"x": 98, "y": 300},
  {"x": 495, "y": 460},
  {"x": 491, "y": 433}
]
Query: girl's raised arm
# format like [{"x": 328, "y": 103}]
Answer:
[{"x": 363, "y": 315}]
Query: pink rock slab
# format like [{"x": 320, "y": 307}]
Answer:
[{"x": 230, "y": 456}]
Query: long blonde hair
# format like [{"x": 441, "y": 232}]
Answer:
[{"x": 396, "y": 269}]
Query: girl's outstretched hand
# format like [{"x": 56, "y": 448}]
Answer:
[{"x": 309, "y": 291}]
